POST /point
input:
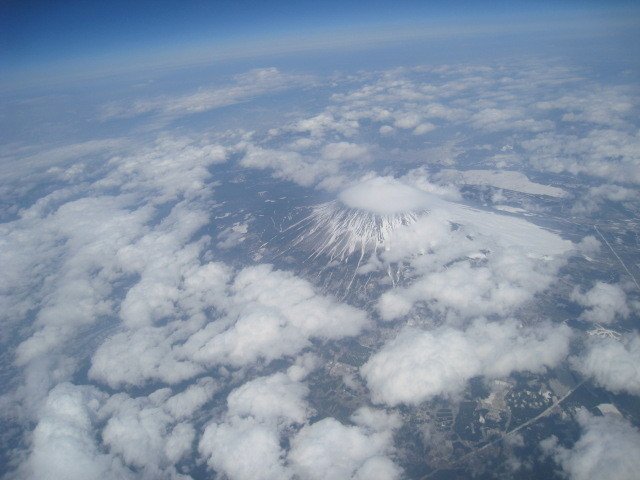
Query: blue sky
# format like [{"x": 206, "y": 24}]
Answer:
[{"x": 38, "y": 35}]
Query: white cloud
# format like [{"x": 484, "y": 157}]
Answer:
[
  {"x": 344, "y": 151},
  {"x": 70, "y": 257},
  {"x": 244, "y": 87},
  {"x": 153, "y": 433},
  {"x": 232, "y": 236},
  {"x": 85, "y": 236},
  {"x": 490, "y": 116},
  {"x": 14, "y": 167},
  {"x": 424, "y": 128},
  {"x": 603, "y": 105},
  {"x": 136, "y": 357},
  {"x": 306, "y": 168},
  {"x": 386, "y": 130},
  {"x": 499, "y": 287},
  {"x": 328, "y": 449},
  {"x": 184, "y": 404},
  {"x": 245, "y": 444},
  {"x": 376, "y": 420},
  {"x": 173, "y": 280},
  {"x": 170, "y": 168},
  {"x": 607, "y": 448},
  {"x": 290, "y": 165},
  {"x": 589, "y": 245},
  {"x": 275, "y": 398},
  {"x": 320, "y": 125},
  {"x": 272, "y": 314},
  {"x": 419, "y": 365},
  {"x": 64, "y": 443},
  {"x": 407, "y": 120},
  {"x": 384, "y": 196},
  {"x": 243, "y": 449},
  {"x": 603, "y": 302},
  {"x": 485, "y": 264},
  {"x": 113, "y": 269},
  {"x": 78, "y": 245},
  {"x": 604, "y": 153},
  {"x": 593, "y": 199},
  {"x": 144, "y": 434},
  {"x": 173, "y": 285},
  {"x": 264, "y": 315},
  {"x": 611, "y": 363}
]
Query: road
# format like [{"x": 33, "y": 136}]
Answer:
[{"x": 544, "y": 413}]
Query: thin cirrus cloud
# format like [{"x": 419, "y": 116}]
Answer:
[{"x": 244, "y": 88}]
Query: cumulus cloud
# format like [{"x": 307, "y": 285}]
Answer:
[
  {"x": 170, "y": 168},
  {"x": 506, "y": 282},
  {"x": 95, "y": 242},
  {"x": 497, "y": 119},
  {"x": 80, "y": 245},
  {"x": 276, "y": 398},
  {"x": 144, "y": 431},
  {"x": 613, "y": 364},
  {"x": 604, "y": 105},
  {"x": 245, "y": 444},
  {"x": 58, "y": 158},
  {"x": 485, "y": 100},
  {"x": 272, "y": 314},
  {"x": 603, "y": 153},
  {"x": 244, "y": 450},
  {"x": 607, "y": 448},
  {"x": 85, "y": 256},
  {"x": 407, "y": 120},
  {"x": 113, "y": 266},
  {"x": 88, "y": 233},
  {"x": 287, "y": 164},
  {"x": 319, "y": 126},
  {"x": 232, "y": 236},
  {"x": 173, "y": 285},
  {"x": 589, "y": 245},
  {"x": 136, "y": 357},
  {"x": 306, "y": 168},
  {"x": 64, "y": 444},
  {"x": 83, "y": 433},
  {"x": 469, "y": 262},
  {"x": 264, "y": 314},
  {"x": 184, "y": 404},
  {"x": 376, "y": 420},
  {"x": 424, "y": 128},
  {"x": 418, "y": 365},
  {"x": 593, "y": 199},
  {"x": 328, "y": 449},
  {"x": 344, "y": 151},
  {"x": 457, "y": 260},
  {"x": 603, "y": 303}
]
